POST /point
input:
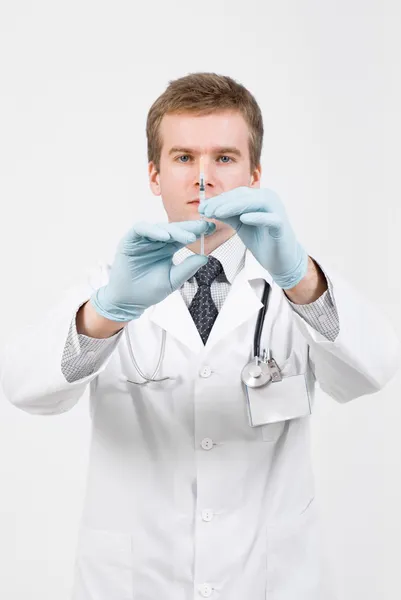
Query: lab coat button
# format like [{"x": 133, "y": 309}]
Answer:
[
  {"x": 205, "y": 590},
  {"x": 206, "y": 371},
  {"x": 207, "y": 515},
  {"x": 207, "y": 443}
]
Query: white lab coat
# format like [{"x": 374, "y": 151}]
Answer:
[{"x": 185, "y": 499}]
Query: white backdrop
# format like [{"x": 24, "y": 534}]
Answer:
[{"x": 76, "y": 81}]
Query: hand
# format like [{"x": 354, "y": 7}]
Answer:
[
  {"x": 142, "y": 273},
  {"x": 259, "y": 218}
]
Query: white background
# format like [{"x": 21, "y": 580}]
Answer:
[{"x": 76, "y": 82}]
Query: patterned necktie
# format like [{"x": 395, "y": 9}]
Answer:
[{"x": 202, "y": 309}]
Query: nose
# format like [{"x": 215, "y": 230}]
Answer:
[{"x": 209, "y": 177}]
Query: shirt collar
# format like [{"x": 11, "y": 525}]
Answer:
[{"x": 231, "y": 254}]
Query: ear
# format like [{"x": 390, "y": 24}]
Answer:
[
  {"x": 154, "y": 179},
  {"x": 256, "y": 177}
]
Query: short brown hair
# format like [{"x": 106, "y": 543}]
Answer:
[{"x": 205, "y": 93}]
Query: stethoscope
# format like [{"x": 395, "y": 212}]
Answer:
[
  {"x": 256, "y": 373},
  {"x": 262, "y": 369}
]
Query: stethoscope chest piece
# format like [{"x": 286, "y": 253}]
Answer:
[{"x": 255, "y": 375}]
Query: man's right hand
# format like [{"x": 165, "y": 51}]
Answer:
[{"x": 143, "y": 274}]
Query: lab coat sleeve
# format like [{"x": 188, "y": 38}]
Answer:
[
  {"x": 30, "y": 363},
  {"x": 365, "y": 354}
]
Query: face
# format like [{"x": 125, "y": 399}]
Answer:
[{"x": 222, "y": 139}]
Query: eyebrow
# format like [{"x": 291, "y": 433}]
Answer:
[{"x": 215, "y": 150}]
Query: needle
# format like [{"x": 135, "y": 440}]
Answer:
[{"x": 202, "y": 198}]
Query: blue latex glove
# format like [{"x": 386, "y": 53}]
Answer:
[
  {"x": 259, "y": 218},
  {"x": 142, "y": 273}
]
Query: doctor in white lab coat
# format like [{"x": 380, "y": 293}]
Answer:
[{"x": 198, "y": 486}]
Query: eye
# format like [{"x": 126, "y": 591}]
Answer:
[
  {"x": 183, "y": 156},
  {"x": 226, "y": 161}
]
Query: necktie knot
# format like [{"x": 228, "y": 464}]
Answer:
[{"x": 208, "y": 273}]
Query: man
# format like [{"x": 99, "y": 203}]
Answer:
[{"x": 201, "y": 486}]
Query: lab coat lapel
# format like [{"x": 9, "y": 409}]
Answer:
[
  {"x": 173, "y": 315},
  {"x": 241, "y": 303}
]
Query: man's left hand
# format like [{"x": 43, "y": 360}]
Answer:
[{"x": 259, "y": 218}]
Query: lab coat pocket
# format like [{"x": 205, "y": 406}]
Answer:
[
  {"x": 271, "y": 405},
  {"x": 104, "y": 566},
  {"x": 279, "y": 401},
  {"x": 293, "y": 557}
]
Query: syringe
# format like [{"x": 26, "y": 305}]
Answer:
[{"x": 202, "y": 198}]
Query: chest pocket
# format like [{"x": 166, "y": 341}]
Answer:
[{"x": 272, "y": 405}]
